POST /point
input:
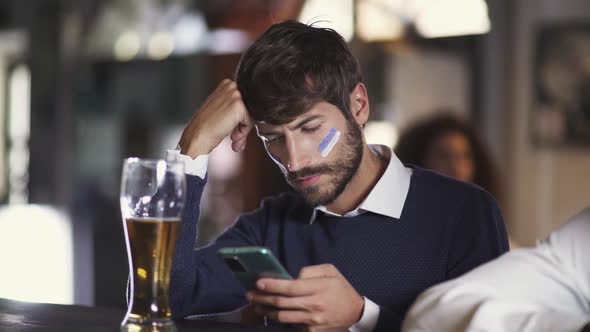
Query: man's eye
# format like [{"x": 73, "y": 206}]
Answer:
[{"x": 311, "y": 129}]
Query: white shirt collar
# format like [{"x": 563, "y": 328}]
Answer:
[{"x": 388, "y": 196}]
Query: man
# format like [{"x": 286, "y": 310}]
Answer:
[
  {"x": 546, "y": 288},
  {"x": 362, "y": 234}
]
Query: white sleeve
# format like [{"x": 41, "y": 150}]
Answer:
[
  {"x": 197, "y": 166},
  {"x": 546, "y": 288},
  {"x": 368, "y": 319}
]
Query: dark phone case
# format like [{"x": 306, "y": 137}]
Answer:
[{"x": 256, "y": 262}]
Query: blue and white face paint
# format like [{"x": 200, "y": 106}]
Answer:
[{"x": 329, "y": 142}]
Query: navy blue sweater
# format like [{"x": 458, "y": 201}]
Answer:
[{"x": 446, "y": 228}]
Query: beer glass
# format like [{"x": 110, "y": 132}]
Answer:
[{"x": 152, "y": 199}]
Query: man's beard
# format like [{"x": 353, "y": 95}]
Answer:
[{"x": 343, "y": 170}]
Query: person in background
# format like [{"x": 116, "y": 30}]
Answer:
[
  {"x": 361, "y": 234},
  {"x": 448, "y": 145},
  {"x": 546, "y": 288},
  {"x": 451, "y": 146}
]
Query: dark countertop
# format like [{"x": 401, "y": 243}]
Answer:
[{"x": 24, "y": 316}]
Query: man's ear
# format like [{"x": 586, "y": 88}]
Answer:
[{"x": 359, "y": 104}]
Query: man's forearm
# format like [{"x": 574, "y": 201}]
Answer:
[{"x": 183, "y": 276}]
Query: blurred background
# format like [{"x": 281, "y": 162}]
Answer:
[{"x": 86, "y": 83}]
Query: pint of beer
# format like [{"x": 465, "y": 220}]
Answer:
[{"x": 152, "y": 199}]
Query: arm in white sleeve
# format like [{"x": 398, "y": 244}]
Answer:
[
  {"x": 546, "y": 288},
  {"x": 197, "y": 166},
  {"x": 368, "y": 319}
]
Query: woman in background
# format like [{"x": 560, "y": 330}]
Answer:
[{"x": 450, "y": 146}]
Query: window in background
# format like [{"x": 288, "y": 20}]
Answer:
[
  {"x": 12, "y": 45},
  {"x": 36, "y": 248},
  {"x": 36, "y": 254},
  {"x": 3, "y": 171},
  {"x": 19, "y": 121},
  {"x": 381, "y": 132}
]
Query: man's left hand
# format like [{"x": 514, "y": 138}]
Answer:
[{"x": 320, "y": 298}]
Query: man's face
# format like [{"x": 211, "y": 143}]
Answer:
[{"x": 318, "y": 152}]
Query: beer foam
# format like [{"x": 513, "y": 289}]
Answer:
[{"x": 153, "y": 219}]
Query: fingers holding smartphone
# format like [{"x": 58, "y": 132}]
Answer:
[{"x": 320, "y": 298}]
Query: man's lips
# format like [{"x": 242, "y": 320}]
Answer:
[{"x": 308, "y": 180}]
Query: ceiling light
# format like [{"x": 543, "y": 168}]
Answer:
[
  {"x": 161, "y": 45},
  {"x": 127, "y": 46},
  {"x": 378, "y": 21},
  {"x": 453, "y": 18},
  {"x": 334, "y": 14}
]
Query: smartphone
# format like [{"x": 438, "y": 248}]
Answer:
[{"x": 252, "y": 263}]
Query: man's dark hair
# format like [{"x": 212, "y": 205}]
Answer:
[{"x": 293, "y": 66}]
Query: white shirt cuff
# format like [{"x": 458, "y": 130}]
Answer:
[
  {"x": 197, "y": 166},
  {"x": 369, "y": 318}
]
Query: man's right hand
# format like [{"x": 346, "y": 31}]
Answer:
[{"x": 222, "y": 114}]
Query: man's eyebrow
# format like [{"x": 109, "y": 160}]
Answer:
[
  {"x": 305, "y": 121},
  {"x": 296, "y": 126}
]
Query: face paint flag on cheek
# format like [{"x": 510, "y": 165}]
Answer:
[{"x": 329, "y": 142}]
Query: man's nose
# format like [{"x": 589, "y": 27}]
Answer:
[{"x": 297, "y": 159}]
